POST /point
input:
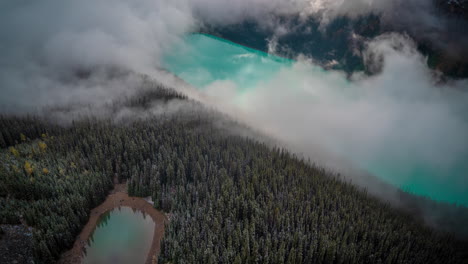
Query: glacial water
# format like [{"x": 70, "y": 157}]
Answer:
[
  {"x": 123, "y": 235},
  {"x": 202, "y": 60}
]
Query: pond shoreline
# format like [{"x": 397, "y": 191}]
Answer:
[{"x": 117, "y": 198}]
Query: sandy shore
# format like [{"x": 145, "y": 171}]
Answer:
[{"x": 117, "y": 198}]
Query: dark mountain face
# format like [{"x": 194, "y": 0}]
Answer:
[
  {"x": 336, "y": 48},
  {"x": 454, "y": 7},
  {"x": 340, "y": 44}
]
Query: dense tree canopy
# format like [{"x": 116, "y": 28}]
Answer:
[{"x": 230, "y": 199}]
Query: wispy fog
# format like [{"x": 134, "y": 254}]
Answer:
[{"x": 60, "y": 51}]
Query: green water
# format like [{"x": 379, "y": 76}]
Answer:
[
  {"x": 446, "y": 184},
  {"x": 122, "y": 235},
  {"x": 202, "y": 60},
  {"x": 221, "y": 60}
]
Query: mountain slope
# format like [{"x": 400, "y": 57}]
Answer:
[{"x": 231, "y": 199}]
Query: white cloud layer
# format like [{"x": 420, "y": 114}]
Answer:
[{"x": 47, "y": 44}]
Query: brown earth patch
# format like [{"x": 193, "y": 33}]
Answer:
[{"x": 117, "y": 198}]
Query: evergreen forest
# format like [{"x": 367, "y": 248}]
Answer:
[{"x": 229, "y": 198}]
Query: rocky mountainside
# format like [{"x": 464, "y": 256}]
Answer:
[{"x": 340, "y": 44}]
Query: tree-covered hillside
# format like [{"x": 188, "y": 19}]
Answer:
[{"x": 230, "y": 199}]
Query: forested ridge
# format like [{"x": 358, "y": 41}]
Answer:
[{"x": 230, "y": 199}]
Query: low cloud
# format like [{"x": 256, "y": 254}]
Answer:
[{"x": 56, "y": 52}]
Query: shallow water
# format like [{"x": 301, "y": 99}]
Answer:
[
  {"x": 123, "y": 235},
  {"x": 203, "y": 60}
]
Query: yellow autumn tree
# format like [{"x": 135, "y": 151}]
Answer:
[
  {"x": 23, "y": 137},
  {"x": 28, "y": 168},
  {"x": 45, "y": 171},
  {"x": 14, "y": 151},
  {"x": 42, "y": 146}
]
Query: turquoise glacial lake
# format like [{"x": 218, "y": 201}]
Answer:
[
  {"x": 203, "y": 59},
  {"x": 123, "y": 235}
]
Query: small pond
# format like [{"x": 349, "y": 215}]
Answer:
[{"x": 123, "y": 235}]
